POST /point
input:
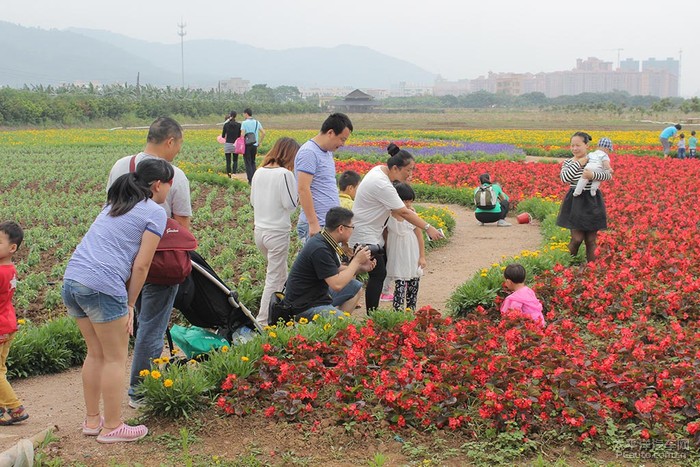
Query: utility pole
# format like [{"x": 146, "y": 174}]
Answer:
[{"x": 182, "y": 35}]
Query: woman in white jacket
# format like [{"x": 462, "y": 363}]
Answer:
[{"x": 273, "y": 194}]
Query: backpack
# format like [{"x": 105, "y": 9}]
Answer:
[
  {"x": 250, "y": 137},
  {"x": 485, "y": 197}
]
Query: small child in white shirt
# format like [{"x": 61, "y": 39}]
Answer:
[{"x": 597, "y": 160}]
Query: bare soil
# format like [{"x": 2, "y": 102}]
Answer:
[{"x": 56, "y": 400}]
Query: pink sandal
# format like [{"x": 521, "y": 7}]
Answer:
[
  {"x": 123, "y": 434},
  {"x": 88, "y": 431}
]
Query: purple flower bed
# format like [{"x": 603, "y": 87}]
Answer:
[{"x": 444, "y": 149}]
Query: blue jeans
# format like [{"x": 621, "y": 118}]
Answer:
[
  {"x": 155, "y": 304},
  {"x": 303, "y": 231},
  {"x": 84, "y": 302},
  {"x": 346, "y": 293}
]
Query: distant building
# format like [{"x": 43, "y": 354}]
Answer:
[
  {"x": 356, "y": 101},
  {"x": 657, "y": 78},
  {"x": 234, "y": 85}
]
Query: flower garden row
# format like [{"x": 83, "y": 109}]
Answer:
[{"x": 619, "y": 360}]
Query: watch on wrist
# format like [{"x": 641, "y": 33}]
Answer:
[{"x": 427, "y": 226}]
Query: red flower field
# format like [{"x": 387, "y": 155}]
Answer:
[{"x": 621, "y": 351}]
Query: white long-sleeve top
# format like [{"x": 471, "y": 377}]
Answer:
[{"x": 273, "y": 195}]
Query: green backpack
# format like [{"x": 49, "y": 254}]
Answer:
[{"x": 195, "y": 341}]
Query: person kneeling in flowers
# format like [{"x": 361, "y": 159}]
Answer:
[{"x": 318, "y": 282}]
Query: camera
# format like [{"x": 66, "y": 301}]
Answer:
[{"x": 374, "y": 249}]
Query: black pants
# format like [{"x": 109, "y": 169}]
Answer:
[
  {"x": 488, "y": 217},
  {"x": 228, "y": 163},
  {"x": 375, "y": 284},
  {"x": 251, "y": 151},
  {"x": 407, "y": 289}
]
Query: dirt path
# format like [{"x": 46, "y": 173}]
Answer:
[{"x": 57, "y": 399}]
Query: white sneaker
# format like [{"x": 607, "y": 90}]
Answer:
[
  {"x": 481, "y": 223},
  {"x": 503, "y": 223},
  {"x": 136, "y": 403}
]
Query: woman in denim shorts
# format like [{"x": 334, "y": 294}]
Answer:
[{"x": 101, "y": 284}]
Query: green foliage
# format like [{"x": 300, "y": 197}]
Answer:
[
  {"x": 174, "y": 391},
  {"x": 499, "y": 448},
  {"x": 443, "y": 194},
  {"x": 389, "y": 319},
  {"x": 52, "y": 347},
  {"x": 538, "y": 208}
]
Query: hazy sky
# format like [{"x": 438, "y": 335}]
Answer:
[{"x": 455, "y": 38}]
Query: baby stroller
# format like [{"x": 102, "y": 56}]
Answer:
[{"x": 206, "y": 301}]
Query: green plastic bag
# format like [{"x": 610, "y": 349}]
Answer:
[{"x": 195, "y": 341}]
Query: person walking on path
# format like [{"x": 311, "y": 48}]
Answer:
[
  {"x": 667, "y": 135},
  {"x": 253, "y": 133},
  {"x": 231, "y": 132},
  {"x": 155, "y": 303},
  {"x": 273, "y": 195},
  {"x": 583, "y": 215},
  {"x": 103, "y": 279},
  {"x": 314, "y": 168}
]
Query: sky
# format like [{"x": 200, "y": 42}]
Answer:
[{"x": 457, "y": 39}]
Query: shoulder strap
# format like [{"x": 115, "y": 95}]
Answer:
[
  {"x": 289, "y": 192},
  {"x": 132, "y": 164}
]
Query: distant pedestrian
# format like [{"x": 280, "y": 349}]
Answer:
[
  {"x": 11, "y": 235},
  {"x": 231, "y": 132},
  {"x": 681, "y": 146},
  {"x": 254, "y": 133},
  {"x": 667, "y": 135},
  {"x": 692, "y": 145}
]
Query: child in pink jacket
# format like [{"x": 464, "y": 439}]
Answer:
[{"x": 522, "y": 297}]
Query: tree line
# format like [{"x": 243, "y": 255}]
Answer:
[{"x": 73, "y": 105}]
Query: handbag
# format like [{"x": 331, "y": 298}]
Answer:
[
  {"x": 239, "y": 145},
  {"x": 250, "y": 137},
  {"x": 171, "y": 262},
  {"x": 279, "y": 309}
]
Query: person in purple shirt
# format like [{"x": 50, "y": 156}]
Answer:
[
  {"x": 522, "y": 298},
  {"x": 314, "y": 168}
]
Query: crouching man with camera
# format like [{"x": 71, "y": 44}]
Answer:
[{"x": 322, "y": 277}]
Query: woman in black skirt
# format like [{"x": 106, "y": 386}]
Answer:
[{"x": 584, "y": 215}]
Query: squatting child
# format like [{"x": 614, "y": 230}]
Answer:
[
  {"x": 11, "y": 235},
  {"x": 347, "y": 185},
  {"x": 522, "y": 298},
  {"x": 405, "y": 251},
  {"x": 597, "y": 160}
]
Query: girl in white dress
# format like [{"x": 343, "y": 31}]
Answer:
[{"x": 405, "y": 251}]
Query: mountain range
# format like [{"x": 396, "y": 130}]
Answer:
[{"x": 35, "y": 56}]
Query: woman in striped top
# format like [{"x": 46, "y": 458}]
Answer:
[{"x": 583, "y": 215}]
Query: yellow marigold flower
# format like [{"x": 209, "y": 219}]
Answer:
[
  {"x": 303, "y": 320},
  {"x": 155, "y": 374},
  {"x": 272, "y": 334},
  {"x": 21, "y": 321},
  {"x": 168, "y": 383},
  {"x": 483, "y": 274},
  {"x": 331, "y": 312},
  {"x": 224, "y": 349},
  {"x": 244, "y": 358},
  {"x": 316, "y": 317},
  {"x": 326, "y": 326},
  {"x": 290, "y": 324},
  {"x": 192, "y": 361},
  {"x": 144, "y": 373},
  {"x": 346, "y": 313},
  {"x": 341, "y": 318}
]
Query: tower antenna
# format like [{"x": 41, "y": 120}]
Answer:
[{"x": 182, "y": 35}]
